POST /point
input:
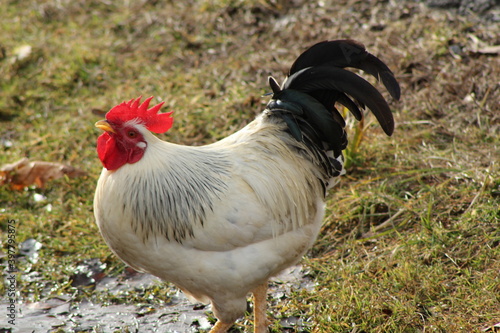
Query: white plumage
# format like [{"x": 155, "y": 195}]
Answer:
[
  {"x": 249, "y": 230},
  {"x": 219, "y": 220}
]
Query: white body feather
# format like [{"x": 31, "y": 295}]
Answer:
[{"x": 216, "y": 220}]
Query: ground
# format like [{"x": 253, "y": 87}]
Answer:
[{"x": 411, "y": 240}]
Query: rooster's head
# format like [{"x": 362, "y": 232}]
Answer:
[{"x": 123, "y": 139}]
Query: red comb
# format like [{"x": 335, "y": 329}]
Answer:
[{"x": 154, "y": 121}]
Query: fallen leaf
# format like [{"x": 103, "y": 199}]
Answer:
[
  {"x": 52, "y": 303},
  {"x": 24, "y": 173}
]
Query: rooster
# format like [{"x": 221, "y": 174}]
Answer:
[{"x": 219, "y": 220}]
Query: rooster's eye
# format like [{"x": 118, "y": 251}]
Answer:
[{"x": 131, "y": 134}]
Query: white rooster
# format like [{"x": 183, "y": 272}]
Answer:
[{"x": 219, "y": 220}]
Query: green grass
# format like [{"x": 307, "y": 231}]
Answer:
[{"x": 411, "y": 241}]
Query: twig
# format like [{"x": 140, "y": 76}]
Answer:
[
  {"x": 481, "y": 190},
  {"x": 386, "y": 223}
]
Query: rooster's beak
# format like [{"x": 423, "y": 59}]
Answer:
[{"x": 105, "y": 126}]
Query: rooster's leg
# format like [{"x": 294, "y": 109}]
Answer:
[
  {"x": 221, "y": 327},
  {"x": 260, "y": 308}
]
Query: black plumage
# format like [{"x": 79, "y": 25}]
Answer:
[{"x": 317, "y": 80}]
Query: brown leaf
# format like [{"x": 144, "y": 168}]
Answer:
[{"x": 24, "y": 173}]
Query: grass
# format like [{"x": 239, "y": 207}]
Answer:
[{"x": 411, "y": 241}]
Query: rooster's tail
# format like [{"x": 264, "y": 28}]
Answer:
[{"x": 316, "y": 81}]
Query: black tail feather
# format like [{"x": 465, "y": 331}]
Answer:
[
  {"x": 339, "y": 53},
  {"x": 347, "y": 53},
  {"x": 317, "y": 80},
  {"x": 334, "y": 79},
  {"x": 351, "y": 106},
  {"x": 375, "y": 67}
]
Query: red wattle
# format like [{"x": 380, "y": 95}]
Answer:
[{"x": 111, "y": 154}]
